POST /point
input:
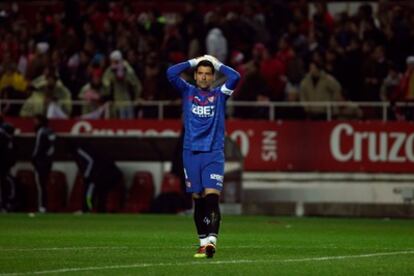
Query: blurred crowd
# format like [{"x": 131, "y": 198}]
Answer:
[{"x": 290, "y": 51}]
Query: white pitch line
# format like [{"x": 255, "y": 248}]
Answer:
[
  {"x": 64, "y": 248},
  {"x": 161, "y": 247},
  {"x": 143, "y": 265},
  {"x": 176, "y": 247}
]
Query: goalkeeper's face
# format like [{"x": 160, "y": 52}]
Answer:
[{"x": 204, "y": 77}]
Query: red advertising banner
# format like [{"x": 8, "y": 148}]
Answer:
[
  {"x": 326, "y": 146},
  {"x": 283, "y": 146}
]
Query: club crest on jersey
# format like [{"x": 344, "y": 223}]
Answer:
[{"x": 211, "y": 99}]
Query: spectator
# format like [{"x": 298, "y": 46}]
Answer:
[
  {"x": 374, "y": 70},
  {"x": 7, "y": 161},
  {"x": 216, "y": 44},
  {"x": 407, "y": 81},
  {"x": 254, "y": 89},
  {"x": 273, "y": 71},
  {"x": 39, "y": 61},
  {"x": 390, "y": 85},
  {"x": 173, "y": 44},
  {"x": 75, "y": 73},
  {"x": 122, "y": 86},
  {"x": 13, "y": 80},
  {"x": 295, "y": 69},
  {"x": 92, "y": 93},
  {"x": 292, "y": 112},
  {"x": 253, "y": 86},
  {"x": 318, "y": 86},
  {"x": 156, "y": 87},
  {"x": 13, "y": 85},
  {"x": 48, "y": 93},
  {"x": 352, "y": 61},
  {"x": 194, "y": 42}
]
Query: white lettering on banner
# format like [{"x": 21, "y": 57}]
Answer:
[
  {"x": 373, "y": 146},
  {"x": 335, "y": 143},
  {"x": 81, "y": 127},
  {"x": 399, "y": 141},
  {"x": 84, "y": 127},
  {"x": 409, "y": 147},
  {"x": 358, "y": 137},
  {"x": 382, "y": 146},
  {"x": 269, "y": 145},
  {"x": 242, "y": 139}
]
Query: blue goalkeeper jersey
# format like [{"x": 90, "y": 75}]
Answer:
[{"x": 203, "y": 111}]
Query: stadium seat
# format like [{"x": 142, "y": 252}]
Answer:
[
  {"x": 171, "y": 184},
  {"x": 116, "y": 198},
  {"x": 27, "y": 185},
  {"x": 114, "y": 201},
  {"x": 171, "y": 199},
  {"x": 57, "y": 190},
  {"x": 141, "y": 193},
  {"x": 76, "y": 196}
]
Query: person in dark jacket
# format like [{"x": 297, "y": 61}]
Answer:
[
  {"x": 42, "y": 158},
  {"x": 100, "y": 174},
  {"x": 7, "y": 161}
]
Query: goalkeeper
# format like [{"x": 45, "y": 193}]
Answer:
[{"x": 204, "y": 109}]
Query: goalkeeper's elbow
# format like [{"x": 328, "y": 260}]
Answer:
[{"x": 235, "y": 77}]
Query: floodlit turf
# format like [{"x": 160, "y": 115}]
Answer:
[{"x": 164, "y": 245}]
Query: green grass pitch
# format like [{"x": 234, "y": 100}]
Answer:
[{"x": 94, "y": 244}]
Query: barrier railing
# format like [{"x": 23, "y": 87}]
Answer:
[{"x": 269, "y": 110}]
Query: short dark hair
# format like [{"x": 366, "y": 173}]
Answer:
[{"x": 205, "y": 63}]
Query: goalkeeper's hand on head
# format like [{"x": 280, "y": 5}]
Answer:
[
  {"x": 194, "y": 61},
  {"x": 216, "y": 63}
]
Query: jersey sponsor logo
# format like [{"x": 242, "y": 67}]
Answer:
[
  {"x": 203, "y": 111},
  {"x": 217, "y": 177}
]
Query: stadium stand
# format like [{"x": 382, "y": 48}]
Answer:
[
  {"x": 363, "y": 47},
  {"x": 362, "y": 51}
]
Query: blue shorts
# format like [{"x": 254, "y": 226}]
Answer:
[{"x": 203, "y": 170}]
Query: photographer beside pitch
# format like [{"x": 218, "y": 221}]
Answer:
[{"x": 204, "y": 111}]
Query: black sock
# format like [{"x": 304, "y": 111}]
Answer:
[
  {"x": 199, "y": 214},
  {"x": 213, "y": 214}
]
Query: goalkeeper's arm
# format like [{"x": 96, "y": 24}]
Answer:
[{"x": 232, "y": 75}]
